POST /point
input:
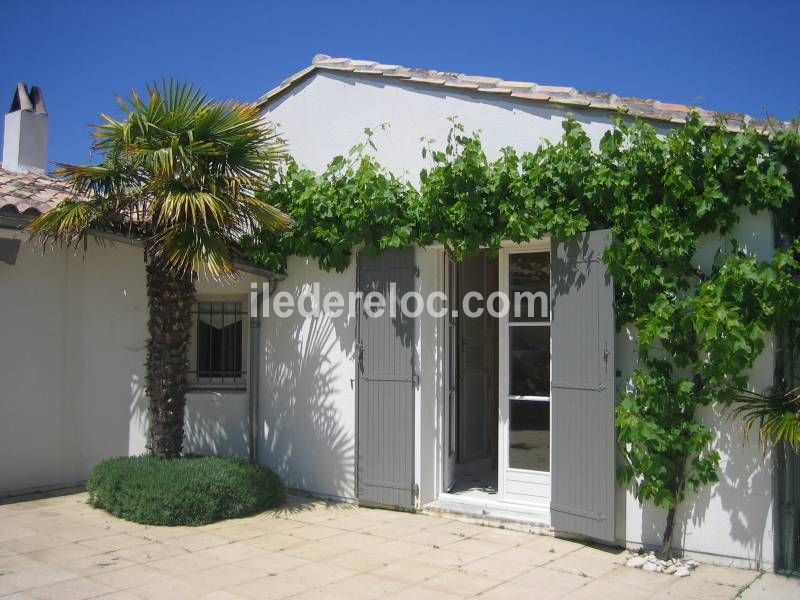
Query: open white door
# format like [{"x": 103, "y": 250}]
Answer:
[{"x": 524, "y": 391}]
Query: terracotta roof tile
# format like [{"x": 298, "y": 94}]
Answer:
[
  {"x": 556, "y": 89},
  {"x": 481, "y": 79},
  {"x": 571, "y": 101},
  {"x": 29, "y": 193},
  {"x": 464, "y": 85},
  {"x": 603, "y": 105},
  {"x": 321, "y": 59},
  {"x": 430, "y": 80},
  {"x": 519, "y": 84},
  {"x": 536, "y": 96},
  {"x": 362, "y": 63},
  {"x": 671, "y": 106},
  {"x": 398, "y": 74},
  {"x": 495, "y": 90},
  {"x": 522, "y": 90}
]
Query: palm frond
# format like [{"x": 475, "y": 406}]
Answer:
[
  {"x": 264, "y": 214},
  {"x": 196, "y": 249},
  {"x": 182, "y": 171},
  {"x": 104, "y": 181},
  {"x": 775, "y": 413},
  {"x": 67, "y": 224},
  {"x": 191, "y": 207}
]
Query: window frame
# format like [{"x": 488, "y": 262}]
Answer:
[{"x": 206, "y": 384}]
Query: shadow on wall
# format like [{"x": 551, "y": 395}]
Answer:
[
  {"x": 217, "y": 423},
  {"x": 138, "y": 417},
  {"x": 307, "y": 431},
  {"x": 742, "y": 500},
  {"x": 745, "y": 486}
]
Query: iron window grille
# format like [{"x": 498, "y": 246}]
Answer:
[{"x": 219, "y": 344}]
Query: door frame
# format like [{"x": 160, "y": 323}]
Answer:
[
  {"x": 539, "y": 478},
  {"x": 451, "y": 389}
]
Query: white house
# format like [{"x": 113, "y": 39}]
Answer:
[{"x": 473, "y": 416}]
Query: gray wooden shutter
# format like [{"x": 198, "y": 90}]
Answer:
[
  {"x": 583, "y": 472},
  {"x": 385, "y": 366}
]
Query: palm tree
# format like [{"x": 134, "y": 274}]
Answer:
[
  {"x": 179, "y": 172},
  {"x": 776, "y": 413}
]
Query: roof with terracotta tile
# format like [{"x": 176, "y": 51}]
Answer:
[
  {"x": 29, "y": 193},
  {"x": 555, "y": 95}
]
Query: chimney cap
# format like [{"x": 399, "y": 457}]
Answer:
[{"x": 32, "y": 101}]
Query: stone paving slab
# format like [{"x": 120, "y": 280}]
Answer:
[{"x": 60, "y": 547}]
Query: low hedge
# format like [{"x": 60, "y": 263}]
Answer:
[{"x": 182, "y": 491}]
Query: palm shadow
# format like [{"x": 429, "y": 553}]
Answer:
[{"x": 306, "y": 429}]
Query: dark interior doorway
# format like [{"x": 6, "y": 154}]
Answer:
[{"x": 473, "y": 381}]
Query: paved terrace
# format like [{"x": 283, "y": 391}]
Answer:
[{"x": 60, "y": 547}]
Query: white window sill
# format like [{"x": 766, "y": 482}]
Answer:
[{"x": 202, "y": 388}]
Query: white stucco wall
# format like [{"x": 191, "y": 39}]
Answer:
[
  {"x": 325, "y": 116},
  {"x": 71, "y": 364},
  {"x": 307, "y": 389},
  {"x": 72, "y": 350}
]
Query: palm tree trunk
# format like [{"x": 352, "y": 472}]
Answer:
[{"x": 170, "y": 297}]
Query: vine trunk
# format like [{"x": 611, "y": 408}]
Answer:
[{"x": 665, "y": 551}]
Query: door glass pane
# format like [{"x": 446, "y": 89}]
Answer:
[
  {"x": 529, "y": 355},
  {"x": 529, "y": 435},
  {"x": 529, "y": 287}
]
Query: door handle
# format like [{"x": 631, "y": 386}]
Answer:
[{"x": 360, "y": 353}]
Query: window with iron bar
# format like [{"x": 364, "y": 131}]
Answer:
[{"x": 219, "y": 342}]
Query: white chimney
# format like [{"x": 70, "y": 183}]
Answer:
[{"x": 25, "y": 136}]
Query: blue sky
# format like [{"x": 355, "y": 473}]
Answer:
[{"x": 725, "y": 55}]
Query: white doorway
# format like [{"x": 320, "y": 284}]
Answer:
[
  {"x": 554, "y": 393},
  {"x": 497, "y": 420}
]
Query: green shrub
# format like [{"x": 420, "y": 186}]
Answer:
[{"x": 182, "y": 491}]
